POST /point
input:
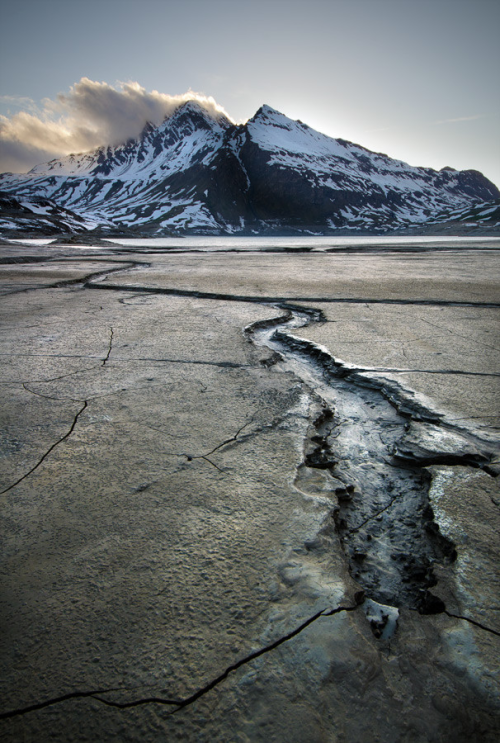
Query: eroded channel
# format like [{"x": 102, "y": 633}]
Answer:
[{"x": 372, "y": 443}]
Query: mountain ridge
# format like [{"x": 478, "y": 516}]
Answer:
[{"x": 199, "y": 173}]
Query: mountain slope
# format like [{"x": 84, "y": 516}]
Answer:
[
  {"x": 343, "y": 184},
  {"x": 201, "y": 174},
  {"x": 38, "y": 216}
]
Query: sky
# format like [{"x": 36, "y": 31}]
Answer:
[{"x": 415, "y": 79}]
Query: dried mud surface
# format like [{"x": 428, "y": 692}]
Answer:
[{"x": 249, "y": 497}]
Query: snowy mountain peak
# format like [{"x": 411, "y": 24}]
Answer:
[
  {"x": 266, "y": 115},
  {"x": 195, "y": 110},
  {"x": 197, "y": 171},
  {"x": 266, "y": 111}
]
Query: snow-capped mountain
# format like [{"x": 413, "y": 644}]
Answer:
[
  {"x": 196, "y": 173},
  {"x": 485, "y": 214},
  {"x": 38, "y": 216}
]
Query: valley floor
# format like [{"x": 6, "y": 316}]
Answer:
[{"x": 250, "y": 496}]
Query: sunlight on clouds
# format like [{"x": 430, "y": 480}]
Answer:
[{"x": 90, "y": 115}]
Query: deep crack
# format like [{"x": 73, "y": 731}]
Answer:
[
  {"x": 47, "y": 397},
  {"x": 232, "y": 439},
  {"x": 187, "y": 701},
  {"x": 195, "y": 362},
  {"x": 49, "y": 451},
  {"x": 473, "y": 621},
  {"x": 256, "y": 299},
  {"x": 383, "y": 517},
  {"x": 82, "y": 280},
  {"x": 110, "y": 346},
  {"x": 54, "y": 700}
]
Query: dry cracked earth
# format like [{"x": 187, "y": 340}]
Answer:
[{"x": 250, "y": 496}]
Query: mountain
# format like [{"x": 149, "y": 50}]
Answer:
[
  {"x": 486, "y": 214},
  {"x": 38, "y": 216},
  {"x": 199, "y": 174}
]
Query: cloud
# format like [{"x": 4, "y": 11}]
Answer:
[
  {"x": 90, "y": 115},
  {"x": 18, "y": 101}
]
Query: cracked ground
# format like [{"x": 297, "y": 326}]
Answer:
[{"x": 176, "y": 501}]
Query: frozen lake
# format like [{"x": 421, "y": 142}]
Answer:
[{"x": 313, "y": 244}]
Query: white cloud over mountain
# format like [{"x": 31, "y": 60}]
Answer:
[{"x": 91, "y": 114}]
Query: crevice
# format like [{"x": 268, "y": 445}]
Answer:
[
  {"x": 209, "y": 462},
  {"x": 220, "y": 364},
  {"x": 110, "y": 346},
  {"x": 61, "y": 376},
  {"x": 267, "y": 649},
  {"x": 472, "y": 621},
  {"x": 280, "y": 300},
  {"x": 231, "y": 440},
  {"x": 454, "y": 372},
  {"x": 71, "y": 399},
  {"x": 236, "y": 439},
  {"x": 383, "y": 518},
  {"x": 82, "y": 280},
  {"x": 122, "y": 266},
  {"x": 187, "y": 701},
  {"x": 333, "y": 368},
  {"x": 459, "y": 335},
  {"x": 49, "y": 450},
  {"x": 48, "y": 397},
  {"x": 187, "y": 362},
  {"x": 57, "y": 700}
]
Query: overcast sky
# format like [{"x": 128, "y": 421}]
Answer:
[{"x": 416, "y": 79}]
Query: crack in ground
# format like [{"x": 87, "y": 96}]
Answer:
[
  {"x": 207, "y": 460},
  {"x": 459, "y": 335},
  {"x": 48, "y": 397},
  {"x": 399, "y": 397},
  {"x": 391, "y": 555},
  {"x": 83, "y": 280},
  {"x": 61, "y": 376},
  {"x": 122, "y": 266},
  {"x": 195, "y": 362},
  {"x": 472, "y": 621},
  {"x": 381, "y": 369},
  {"x": 232, "y": 439},
  {"x": 56, "y": 700},
  {"x": 280, "y": 300},
  {"x": 220, "y": 364},
  {"x": 104, "y": 361},
  {"x": 49, "y": 450},
  {"x": 187, "y": 701},
  {"x": 236, "y": 439}
]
